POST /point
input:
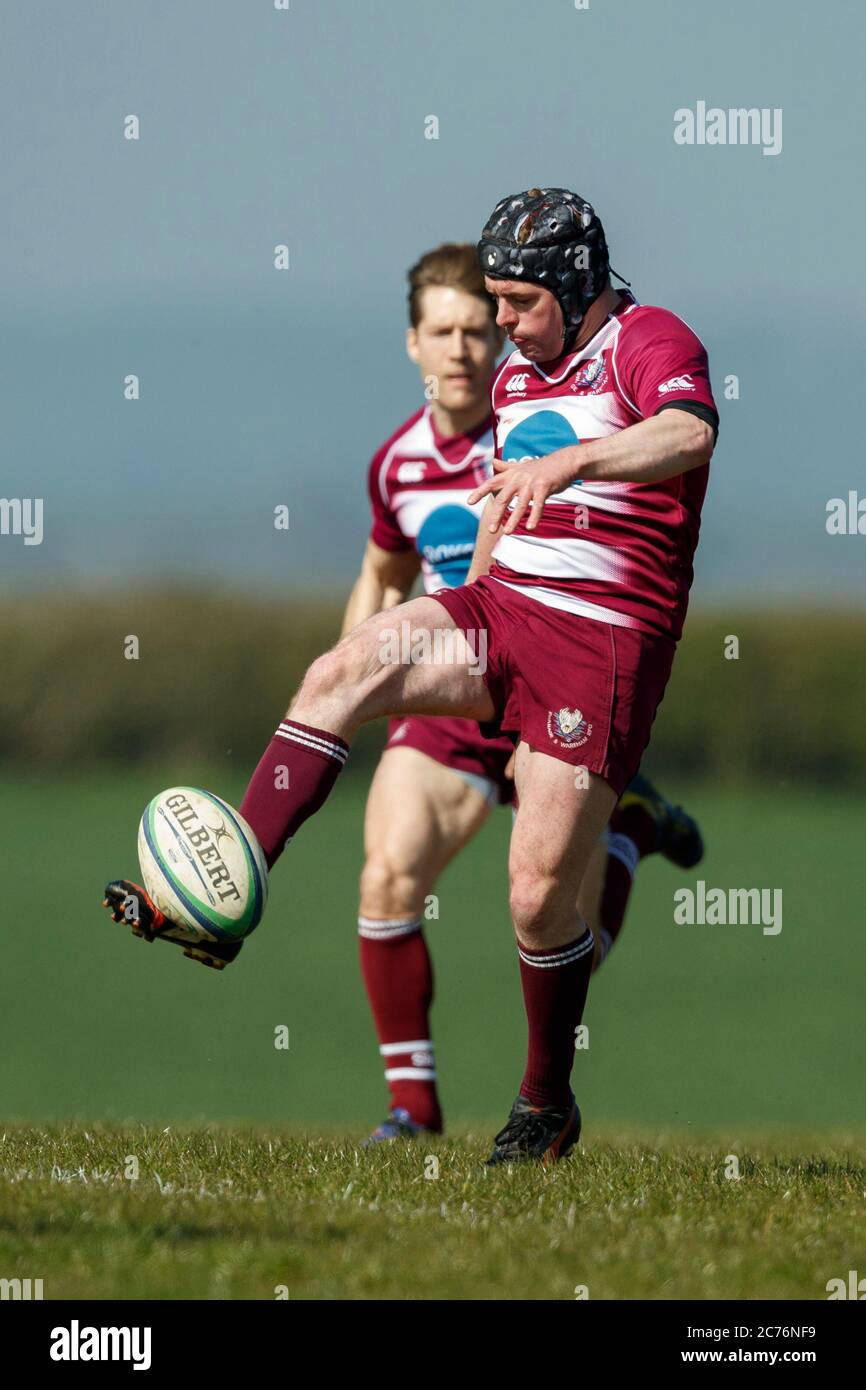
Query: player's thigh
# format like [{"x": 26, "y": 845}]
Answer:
[
  {"x": 419, "y": 815},
  {"x": 412, "y": 659},
  {"x": 558, "y": 824}
]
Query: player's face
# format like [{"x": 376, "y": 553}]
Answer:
[
  {"x": 455, "y": 342},
  {"x": 530, "y": 316}
]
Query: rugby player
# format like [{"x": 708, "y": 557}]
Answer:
[
  {"x": 439, "y": 777},
  {"x": 604, "y": 426}
]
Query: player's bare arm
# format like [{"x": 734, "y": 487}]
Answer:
[
  {"x": 386, "y": 579},
  {"x": 670, "y": 443},
  {"x": 483, "y": 553}
]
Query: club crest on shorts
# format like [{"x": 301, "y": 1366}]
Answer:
[{"x": 568, "y": 727}]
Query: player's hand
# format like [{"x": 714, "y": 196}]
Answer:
[{"x": 527, "y": 483}]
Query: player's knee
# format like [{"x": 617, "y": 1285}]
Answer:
[
  {"x": 387, "y": 890},
  {"x": 332, "y": 680},
  {"x": 535, "y": 901}
]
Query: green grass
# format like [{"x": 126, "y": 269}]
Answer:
[
  {"x": 701, "y": 1026},
  {"x": 231, "y": 1214},
  {"x": 704, "y": 1042}
]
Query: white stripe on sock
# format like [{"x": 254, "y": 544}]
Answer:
[
  {"x": 332, "y": 742},
  {"x": 315, "y": 744},
  {"x": 391, "y": 1049},
  {"x": 388, "y": 928},
  {"x": 337, "y": 755},
  {"x": 575, "y": 952},
  {"x": 333, "y": 753},
  {"x": 409, "y": 1074},
  {"x": 625, "y": 850}
]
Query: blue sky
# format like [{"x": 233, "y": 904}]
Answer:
[{"x": 307, "y": 127}]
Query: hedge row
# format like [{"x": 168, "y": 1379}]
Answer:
[{"x": 214, "y": 673}]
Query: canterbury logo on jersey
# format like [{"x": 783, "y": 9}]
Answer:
[
  {"x": 411, "y": 472},
  {"x": 517, "y": 383},
  {"x": 677, "y": 383}
]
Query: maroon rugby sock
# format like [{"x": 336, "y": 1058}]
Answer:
[
  {"x": 638, "y": 825},
  {"x": 555, "y": 983},
  {"x": 293, "y": 779},
  {"x": 631, "y": 836},
  {"x": 398, "y": 976}
]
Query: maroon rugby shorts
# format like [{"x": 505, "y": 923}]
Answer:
[
  {"x": 583, "y": 691},
  {"x": 458, "y": 744}
]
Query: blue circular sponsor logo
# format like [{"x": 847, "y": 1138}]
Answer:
[
  {"x": 446, "y": 541},
  {"x": 539, "y": 434}
]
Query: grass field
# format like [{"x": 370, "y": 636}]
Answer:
[
  {"x": 230, "y": 1214},
  {"x": 705, "y": 1041}
]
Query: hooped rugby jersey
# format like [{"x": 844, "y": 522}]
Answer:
[
  {"x": 419, "y": 482},
  {"x": 621, "y": 553}
]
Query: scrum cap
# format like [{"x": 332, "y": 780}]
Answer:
[{"x": 553, "y": 238}]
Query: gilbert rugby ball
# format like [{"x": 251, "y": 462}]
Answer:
[{"x": 202, "y": 864}]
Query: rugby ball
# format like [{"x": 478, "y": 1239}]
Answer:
[{"x": 202, "y": 864}]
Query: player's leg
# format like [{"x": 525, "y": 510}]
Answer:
[
  {"x": 420, "y": 813},
  {"x": 658, "y": 826},
  {"x": 558, "y": 824},
  {"x": 590, "y": 895},
  {"x": 410, "y": 660},
  {"x": 644, "y": 822}
]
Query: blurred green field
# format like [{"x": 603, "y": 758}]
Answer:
[{"x": 692, "y": 1028}]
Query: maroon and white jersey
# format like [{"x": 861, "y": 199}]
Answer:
[
  {"x": 419, "y": 483},
  {"x": 617, "y": 552}
]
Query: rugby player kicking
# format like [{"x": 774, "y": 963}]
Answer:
[
  {"x": 604, "y": 428},
  {"x": 439, "y": 777}
]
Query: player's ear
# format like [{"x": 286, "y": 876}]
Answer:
[{"x": 412, "y": 344}]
